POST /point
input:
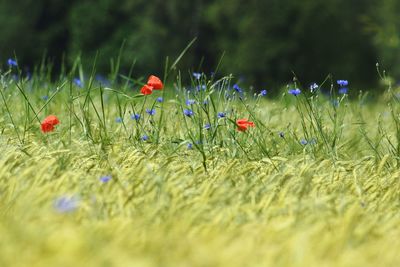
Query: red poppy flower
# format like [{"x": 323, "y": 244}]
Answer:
[
  {"x": 146, "y": 89},
  {"x": 243, "y": 124},
  {"x": 48, "y": 123},
  {"x": 47, "y": 127},
  {"x": 155, "y": 82},
  {"x": 52, "y": 119}
]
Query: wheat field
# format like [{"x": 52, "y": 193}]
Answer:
[{"x": 314, "y": 183}]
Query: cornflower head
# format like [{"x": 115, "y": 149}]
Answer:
[
  {"x": 190, "y": 102},
  {"x": 201, "y": 87},
  {"x": 221, "y": 115},
  {"x": 197, "y": 75},
  {"x": 188, "y": 112},
  {"x": 135, "y": 117},
  {"x": 78, "y": 82},
  {"x": 237, "y": 88},
  {"x": 151, "y": 112},
  {"x": 295, "y": 91},
  {"x": 313, "y": 87},
  {"x": 12, "y": 62},
  {"x": 66, "y": 204},
  {"x": 342, "y": 82},
  {"x": 189, "y": 146},
  {"x": 207, "y": 126},
  {"x": 102, "y": 80},
  {"x": 263, "y": 93},
  {"x": 105, "y": 178},
  {"x": 159, "y": 99},
  {"x": 145, "y": 137}
]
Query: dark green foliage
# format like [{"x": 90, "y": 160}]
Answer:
[
  {"x": 264, "y": 41},
  {"x": 384, "y": 24}
]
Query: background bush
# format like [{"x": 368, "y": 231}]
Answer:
[{"x": 264, "y": 40}]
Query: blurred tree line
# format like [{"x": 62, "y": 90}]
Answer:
[{"x": 263, "y": 40}]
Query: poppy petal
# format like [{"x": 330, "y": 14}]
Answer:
[
  {"x": 243, "y": 124},
  {"x": 146, "y": 90},
  {"x": 155, "y": 82},
  {"x": 47, "y": 127},
  {"x": 51, "y": 119}
]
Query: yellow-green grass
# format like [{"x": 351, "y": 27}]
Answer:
[{"x": 165, "y": 211}]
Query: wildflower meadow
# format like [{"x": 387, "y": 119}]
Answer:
[{"x": 187, "y": 168}]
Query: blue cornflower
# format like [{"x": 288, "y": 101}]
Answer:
[
  {"x": 102, "y": 80},
  {"x": 313, "y": 87},
  {"x": 207, "y": 126},
  {"x": 190, "y": 102},
  {"x": 12, "y": 63},
  {"x": 160, "y": 99},
  {"x": 303, "y": 142},
  {"x": 189, "y": 146},
  {"x": 66, "y": 204},
  {"x": 45, "y": 97},
  {"x": 342, "y": 82},
  {"x": 205, "y": 102},
  {"x": 197, "y": 75},
  {"x": 295, "y": 91},
  {"x": 135, "y": 117},
  {"x": 263, "y": 93},
  {"x": 237, "y": 88},
  {"x": 343, "y": 90},
  {"x": 118, "y": 119},
  {"x": 188, "y": 112},
  {"x": 78, "y": 82},
  {"x": 201, "y": 87},
  {"x": 221, "y": 115},
  {"x": 105, "y": 179},
  {"x": 151, "y": 112},
  {"x": 281, "y": 134},
  {"x": 145, "y": 137}
]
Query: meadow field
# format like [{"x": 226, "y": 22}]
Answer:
[{"x": 196, "y": 170}]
